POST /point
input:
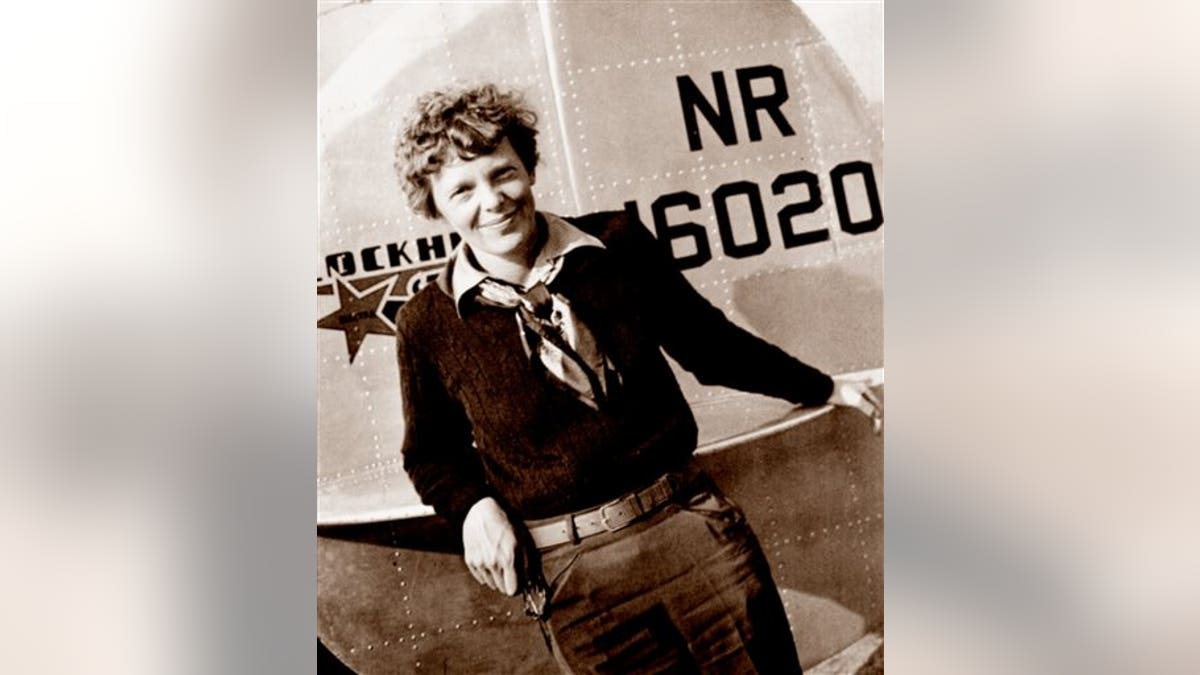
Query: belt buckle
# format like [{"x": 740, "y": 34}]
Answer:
[{"x": 604, "y": 516}]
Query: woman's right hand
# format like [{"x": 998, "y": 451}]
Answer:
[{"x": 490, "y": 546}]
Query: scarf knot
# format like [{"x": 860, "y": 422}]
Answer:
[{"x": 555, "y": 337}]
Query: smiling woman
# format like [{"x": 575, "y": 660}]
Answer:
[{"x": 577, "y": 430}]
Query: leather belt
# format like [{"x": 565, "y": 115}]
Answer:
[{"x": 619, "y": 513}]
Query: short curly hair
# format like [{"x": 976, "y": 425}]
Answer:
[{"x": 470, "y": 122}]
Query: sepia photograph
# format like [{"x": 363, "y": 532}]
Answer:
[{"x": 600, "y": 337}]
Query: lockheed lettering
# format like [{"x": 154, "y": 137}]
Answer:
[{"x": 428, "y": 249}]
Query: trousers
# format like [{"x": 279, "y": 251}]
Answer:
[{"x": 686, "y": 590}]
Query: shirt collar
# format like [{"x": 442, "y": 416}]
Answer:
[{"x": 463, "y": 273}]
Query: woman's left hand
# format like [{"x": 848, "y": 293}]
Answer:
[{"x": 857, "y": 394}]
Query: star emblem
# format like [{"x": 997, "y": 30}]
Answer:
[{"x": 358, "y": 313}]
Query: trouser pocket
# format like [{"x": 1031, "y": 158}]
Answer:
[{"x": 724, "y": 518}]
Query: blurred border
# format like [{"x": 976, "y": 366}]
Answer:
[{"x": 1041, "y": 319}]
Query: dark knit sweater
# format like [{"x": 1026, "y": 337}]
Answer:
[{"x": 482, "y": 419}]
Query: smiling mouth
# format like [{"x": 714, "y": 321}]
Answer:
[{"x": 498, "y": 223}]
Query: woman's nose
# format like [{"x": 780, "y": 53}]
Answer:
[{"x": 490, "y": 198}]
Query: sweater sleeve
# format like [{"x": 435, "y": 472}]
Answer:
[
  {"x": 438, "y": 456},
  {"x": 704, "y": 341}
]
